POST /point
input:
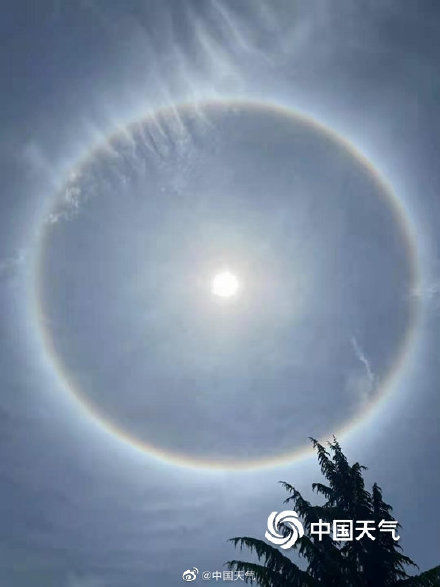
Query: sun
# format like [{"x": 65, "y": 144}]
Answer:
[{"x": 225, "y": 285}]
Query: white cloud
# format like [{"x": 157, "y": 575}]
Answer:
[
  {"x": 10, "y": 265},
  {"x": 361, "y": 382},
  {"x": 428, "y": 292},
  {"x": 364, "y": 360}
]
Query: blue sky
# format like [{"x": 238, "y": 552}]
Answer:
[{"x": 107, "y": 255}]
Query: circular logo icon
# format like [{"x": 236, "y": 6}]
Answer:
[
  {"x": 190, "y": 575},
  {"x": 287, "y": 519}
]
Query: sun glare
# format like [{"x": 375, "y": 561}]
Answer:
[{"x": 225, "y": 285}]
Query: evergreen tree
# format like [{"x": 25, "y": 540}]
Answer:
[{"x": 354, "y": 563}]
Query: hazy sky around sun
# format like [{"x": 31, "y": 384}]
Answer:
[
  {"x": 324, "y": 258},
  {"x": 146, "y": 148}
]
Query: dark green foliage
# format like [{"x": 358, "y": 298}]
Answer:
[
  {"x": 356, "y": 563},
  {"x": 429, "y": 578}
]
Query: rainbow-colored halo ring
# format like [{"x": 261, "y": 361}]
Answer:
[{"x": 67, "y": 204}]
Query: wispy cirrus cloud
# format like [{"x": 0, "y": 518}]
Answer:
[
  {"x": 361, "y": 381},
  {"x": 428, "y": 292},
  {"x": 360, "y": 354},
  {"x": 9, "y": 266}
]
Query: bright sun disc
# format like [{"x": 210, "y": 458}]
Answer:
[{"x": 224, "y": 285}]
